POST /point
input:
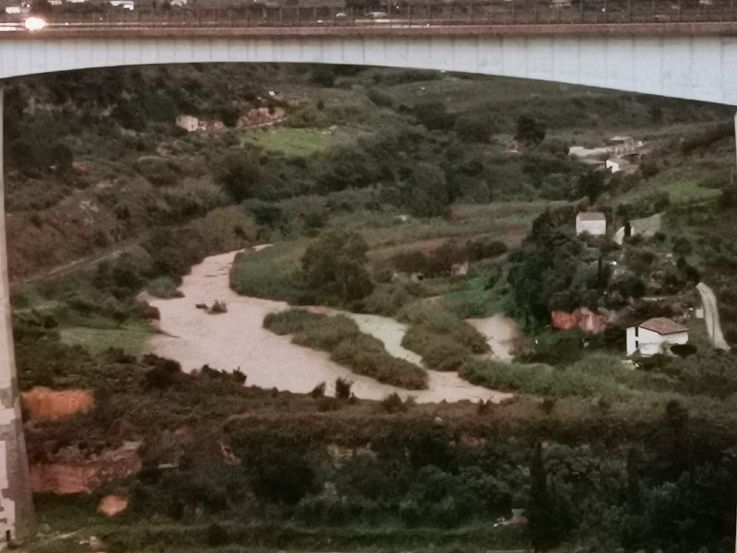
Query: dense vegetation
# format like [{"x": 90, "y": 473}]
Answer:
[{"x": 426, "y": 197}]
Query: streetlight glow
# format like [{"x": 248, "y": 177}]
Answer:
[{"x": 34, "y": 24}]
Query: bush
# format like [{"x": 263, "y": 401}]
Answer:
[
  {"x": 530, "y": 131},
  {"x": 380, "y": 98},
  {"x": 218, "y": 307},
  {"x": 393, "y": 404},
  {"x": 318, "y": 391},
  {"x": 290, "y": 321},
  {"x": 439, "y": 321},
  {"x": 343, "y": 388},
  {"x": 240, "y": 176},
  {"x": 335, "y": 265},
  {"x": 483, "y": 248},
  {"x": 366, "y": 355},
  {"x": 164, "y": 287},
  {"x": 438, "y": 352},
  {"x": 156, "y": 170},
  {"x": 348, "y": 346},
  {"x": 474, "y": 128},
  {"x": 281, "y": 473}
]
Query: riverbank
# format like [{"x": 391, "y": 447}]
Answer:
[{"x": 237, "y": 340}]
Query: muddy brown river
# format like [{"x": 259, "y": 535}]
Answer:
[{"x": 237, "y": 339}]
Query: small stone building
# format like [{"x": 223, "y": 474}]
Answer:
[
  {"x": 189, "y": 123},
  {"x": 655, "y": 336},
  {"x": 593, "y": 222}
]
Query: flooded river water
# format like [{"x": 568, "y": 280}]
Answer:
[{"x": 237, "y": 339}]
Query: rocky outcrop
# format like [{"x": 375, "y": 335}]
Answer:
[
  {"x": 582, "y": 318},
  {"x": 47, "y": 405},
  {"x": 73, "y": 471}
]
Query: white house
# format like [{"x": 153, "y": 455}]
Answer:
[
  {"x": 189, "y": 123},
  {"x": 614, "y": 165},
  {"x": 622, "y": 145},
  {"x": 593, "y": 222},
  {"x": 655, "y": 336}
]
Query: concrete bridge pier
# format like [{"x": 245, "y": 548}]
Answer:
[{"x": 16, "y": 501}]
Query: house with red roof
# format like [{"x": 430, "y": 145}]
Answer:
[{"x": 655, "y": 336}]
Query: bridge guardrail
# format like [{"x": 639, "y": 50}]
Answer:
[{"x": 494, "y": 12}]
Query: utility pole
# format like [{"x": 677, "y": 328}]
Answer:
[{"x": 16, "y": 500}]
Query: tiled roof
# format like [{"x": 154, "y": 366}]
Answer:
[
  {"x": 662, "y": 325},
  {"x": 591, "y": 216}
]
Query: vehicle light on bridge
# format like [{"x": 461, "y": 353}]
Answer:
[{"x": 35, "y": 23}]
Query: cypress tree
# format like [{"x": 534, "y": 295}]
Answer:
[{"x": 541, "y": 508}]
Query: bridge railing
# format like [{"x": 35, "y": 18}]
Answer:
[{"x": 489, "y": 12}]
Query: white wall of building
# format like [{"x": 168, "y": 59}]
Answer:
[
  {"x": 688, "y": 66},
  {"x": 650, "y": 343},
  {"x": 594, "y": 228},
  {"x": 613, "y": 166},
  {"x": 188, "y": 122}
]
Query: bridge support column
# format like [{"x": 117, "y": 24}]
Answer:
[
  {"x": 735, "y": 136},
  {"x": 16, "y": 501}
]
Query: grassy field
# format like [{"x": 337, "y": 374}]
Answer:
[
  {"x": 130, "y": 337},
  {"x": 692, "y": 181},
  {"x": 290, "y": 141}
]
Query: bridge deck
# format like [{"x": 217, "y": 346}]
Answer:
[{"x": 172, "y": 30}]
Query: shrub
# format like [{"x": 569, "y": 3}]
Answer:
[
  {"x": 323, "y": 75},
  {"x": 336, "y": 265},
  {"x": 218, "y": 307},
  {"x": 380, "y": 98},
  {"x": 156, "y": 170},
  {"x": 438, "y": 352},
  {"x": 474, "y": 128},
  {"x": 240, "y": 175},
  {"x": 530, "y": 130},
  {"x": 163, "y": 287},
  {"x": 482, "y": 248},
  {"x": 560, "y": 349},
  {"x": 318, "y": 391},
  {"x": 290, "y": 321},
  {"x": 366, "y": 355},
  {"x": 347, "y": 345},
  {"x": 442, "y": 322},
  {"x": 280, "y": 472},
  {"x": 343, "y": 388},
  {"x": 393, "y": 404}
]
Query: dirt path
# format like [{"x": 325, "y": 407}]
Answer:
[
  {"x": 711, "y": 317},
  {"x": 238, "y": 339}
]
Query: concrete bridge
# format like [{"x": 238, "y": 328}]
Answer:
[
  {"x": 693, "y": 60},
  {"x": 683, "y": 50}
]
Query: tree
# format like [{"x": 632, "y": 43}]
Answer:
[
  {"x": 474, "y": 128},
  {"x": 591, "y": 185},
  {"x": 61, "y": 157},
  {"x": 541, "y": 507},
  {"x": 548, "y": 272},
  {"x": 529, "y": 130},
  {"x": 240, "y": 175},
  {"x": 323, "y": 75},
  {"x": 433, "y": 116},
  {"x": 335, "y": 264},
  {"x": 428, "y": 194}
]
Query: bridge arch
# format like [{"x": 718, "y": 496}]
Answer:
[{"x": 688, "y": 61}]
